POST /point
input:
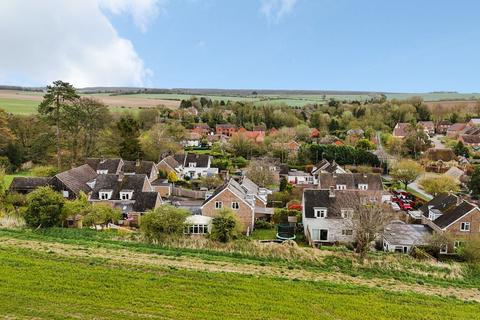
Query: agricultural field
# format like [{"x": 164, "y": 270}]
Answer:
[
  {"x": 55, "y": 274},
  {"x": 22, "y": 102}
]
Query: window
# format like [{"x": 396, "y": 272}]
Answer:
[
  {"x": 443, "y": 249},
  {"x": 195, "y": 229},
  {"x": 235, "y": 206},
  {"x": 347, "y": 213},
  {"x": 218, "y": 204},
  {"x": 65, "y": 193},
  {"x": 192, "y": 164},
  {"x": 341, "y": 187},
  {"x": 320, "y": 212},
  {"x": 105, "y": 195},
  {"x": 363, "y": 187},
  {"x": 320, "y": 234},
  {"x": 347, "y": 232},
  {"x": 126, "y": 195},
  {"x": 102, "y": 171},
  {"x": 465, "y": 226}
]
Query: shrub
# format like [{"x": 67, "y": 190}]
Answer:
[
  {"x": 44, "y": 171},
  {"x": 225, "y": 226},
  {"x": 470, "y": 251},
  {"x": 163, "y": 221},
  {"x": 44, "y": 208},
  {"x": 100, "y": 215},
  {"x": 281, "y": 215},
  {"x": 263, "y": 224}
]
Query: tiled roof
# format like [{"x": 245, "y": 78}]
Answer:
[
  {"x": 76, "y": 179},
  {"x": 113, "y": 165},
  {"x": 321, "y": 198},
  {"x": 146, "y": 201},
  {"x": 351, "y": 180},
  {"x": 138, "y": 167},
  {"x": 112, "y": 182},
  {"x": 450, "y": 208},
  {"x": 28, "y": 183},
  {"x": 401, "y": 129}
]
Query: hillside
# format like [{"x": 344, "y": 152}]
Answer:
[{"x": 64, "y": 273}]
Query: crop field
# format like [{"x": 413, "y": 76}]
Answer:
[
  {"x": 44, "y": 277},
  {"x": 21, "y": 102}
]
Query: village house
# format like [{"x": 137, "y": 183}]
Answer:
[
  {"x": 474, "y": 122},
  {"x": 246, "y": 199},
  {"x": 192, "y": 140},
  {"x": 147, "y": 168},
  {"x": 299, "y": 177},
  {"x": 442, "y": 126},
  {"x": 368, "y": 182},
  {"x": 448, "y": 213},
  {"x": 401, "y": 130},
  {"x": 132, "y": 194},
  {"x": 428, "y": 127},
  {"x": 257, "y": 136},
  {"x": 72, "y": 182},
  {"x": 226, "y": 129},
  {"x": 201, "y": 128},
  {"x": 472, "y": 141},
  {"x": 191, "y": 165},
  {"x": 25, "y": 185},
  {"x": 455, "y": 129},
  {"x": 401, "y": 237},
  {"x": 326, "y": 167},
  {"x": 105, "y": 166},
  {"x": 327, "y": 214}
]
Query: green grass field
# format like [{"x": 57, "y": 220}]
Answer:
[
  {"x": 18, "y": 106},
  {"x": 43, "y": 283}
]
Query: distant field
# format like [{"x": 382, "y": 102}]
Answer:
[
  {"x": 21, "y": 102},
  {"x": 44, "y": 279},
  {"x": 25, "y": 102}
]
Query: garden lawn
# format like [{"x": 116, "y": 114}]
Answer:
[{"x": 46, "y": 286}]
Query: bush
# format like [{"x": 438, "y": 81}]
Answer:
[
  {"x": 100, "y": 215},
  {"x": 281, "y": 215},
  {"x": 470, "y": 251},
  {"x": 44, "y": 171},
  {"x": 263, "y": 224},
  {"x": 44, "y": 208},
  {"x": 163, "y": 221},
  {"x": 225, "y": 226}
]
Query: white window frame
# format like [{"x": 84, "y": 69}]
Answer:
[
  {"x": 320, "y": 212},
  {"x": 363, "y": 186},
  {"x": 235, "y": 205},
  {"x": 319, "y": 231},
  {"x": 102, "y": 171},
  {"x": 192, "y": 164},
  {"x": 341, "y": 187},
  {"x": 465, "y": 226},
  {"x": 126, "y": 195},
  {"x": 105, "y": 195},
  {"x": 347, "y": 232},
  {"x": 346, "y": 213},
  {"x": 218, "y": 204},
  {"x": 196, "y": 229},
  {"x": 444, "y": 249},
  {"x": 65, "y": 193}
]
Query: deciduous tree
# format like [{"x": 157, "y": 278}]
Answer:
[{"x": 406, "y": 171}]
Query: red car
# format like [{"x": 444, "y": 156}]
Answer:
[{"x": 406, "y": 205}]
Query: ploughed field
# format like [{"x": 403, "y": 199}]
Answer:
[{"x": 59, "y": 276}]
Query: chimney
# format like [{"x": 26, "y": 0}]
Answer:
[
  {"x": 120, "y": 176},
  {"x": 331, "y": 192}
]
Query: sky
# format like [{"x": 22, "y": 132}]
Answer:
[{"x": 367, "y": 45}]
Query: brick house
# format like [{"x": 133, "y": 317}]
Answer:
[
  {"x": 226, "y": 129},
  {"x": 428, "y": 127},
  {"x": 470, "y": 140},
  {"x": 246, "y": 199},
  {"x": 401, "y": 129},
  {"x": 442, "y": 126},
  {"x": 447, "y": 213},
  {"x": 455, "y": 129}
]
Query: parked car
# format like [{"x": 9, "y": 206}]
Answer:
[
  {"x": 395, "y": 206},
  {"x": 406, "y": 205}
]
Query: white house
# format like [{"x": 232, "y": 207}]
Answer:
[{"x": 189, "y": 165}]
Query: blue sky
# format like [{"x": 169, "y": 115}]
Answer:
[{"x": 377, "y": 45}]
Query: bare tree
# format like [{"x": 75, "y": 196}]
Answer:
[{"x": 260, "y": 173}]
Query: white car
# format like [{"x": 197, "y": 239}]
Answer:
[{"x": 395, "y": 206}]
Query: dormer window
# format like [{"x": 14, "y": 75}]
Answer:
[
  {"x": 320, "y": 212},
  {"x": 126, "y": 194},
  {"x": 363, "y": 186},
  {"x": 192, "y": 164},
  {"x": 105, "y": 194},
  {"x": 102, "y": 171},
  {"x": 341, "y": 187}
]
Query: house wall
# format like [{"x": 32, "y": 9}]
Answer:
[
  {"x": 162, "y": 166},
  {"x": 473, "y": 218},
  {"x": 164, "y": 191},
  {"x": 334, "y": 227},
  {"x": 245, "y": 213}
]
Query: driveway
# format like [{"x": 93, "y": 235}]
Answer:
[{"x": 436, "y": 141}]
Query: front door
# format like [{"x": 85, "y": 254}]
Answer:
[{"x": 323, "y": 234}]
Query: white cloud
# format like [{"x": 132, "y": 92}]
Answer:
[
  {"x": 143, "y": 12},
  {"x": 47, "y": 40},
  {"x": 274, "y": 10}
]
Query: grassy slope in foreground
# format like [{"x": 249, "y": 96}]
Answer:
[{"x": 45, "y": 285}]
